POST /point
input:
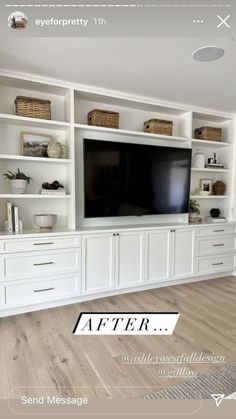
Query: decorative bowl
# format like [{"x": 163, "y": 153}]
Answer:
[{"x": 45, "y": 221}]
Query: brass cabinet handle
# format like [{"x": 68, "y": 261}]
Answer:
[
  {"x": 44, "y": 289},
  {"x": 218, "y": 231},
  {"x": 217, "y": 245},
  {"x": 43, "y": 263},
  {"x": 43, "y": 244},
  {"x": 218, "y": 263}
]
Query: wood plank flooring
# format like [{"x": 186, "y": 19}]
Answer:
[{"x": 40, "y": 355}]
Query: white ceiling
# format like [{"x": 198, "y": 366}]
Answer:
[{"x": 155, "y": 67}]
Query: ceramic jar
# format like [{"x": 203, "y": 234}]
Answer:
[
  {"x": 199, "y": 160},
  {"x": 55, "y": 150},
  {"x": 215, "y": 212},
  {"x": 219, "y": 188}
]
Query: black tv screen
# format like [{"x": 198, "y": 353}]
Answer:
[{"x": 123, "y": 179}]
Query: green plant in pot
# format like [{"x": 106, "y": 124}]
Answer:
[
  {"x": 18, "y": 181},
  {"x": 194, "y": 211}
]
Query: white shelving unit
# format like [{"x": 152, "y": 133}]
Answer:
[
  {"x": 70, "y": 105},
  {"x": 224, "y": 151},
  {"x": 40, "y": 169}
]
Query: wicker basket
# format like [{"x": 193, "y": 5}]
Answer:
[
  {"x": 102, "y": 118},
  {"x": 208, "y": 133},
  {"x": 33, "y": 108},
  {"x": 158, "y": 126}
]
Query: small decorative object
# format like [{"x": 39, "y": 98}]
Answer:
[
  {"x": 214, "y": 163},
  {"x": 158, "y": 126},
  {"x": 18, "y": 181},
  {"x": 199, "y": 160},
  {"x": 54, "y": 188},
  {"x": 45, "y": 221},
  {"x": 219, "y": 188},
  {"x": 17, "y": 20},
  {"x": 55, "y": 150},
  {"x": 215, "y": 212},
  {"x": 103, "y": 118},
  {"x": 34, "y": 145},
  {"x": 208, "y": 134},
  {"x": 194, "y": 212},
  {"x": 206, "y": 187},
  {"x": 32, "y": 107}
]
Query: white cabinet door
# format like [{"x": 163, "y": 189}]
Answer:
[
  {"x": 183, "y": 253},
  {"x": 129, "y": 260},
  {"x": 158, "y": 255},
  {"x": 97, "y": 263}
]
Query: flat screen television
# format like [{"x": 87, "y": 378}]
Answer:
[{"x": 123, "y": 179}]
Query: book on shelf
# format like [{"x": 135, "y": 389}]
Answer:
[
  {"x": 6, "y": 227},
  {"x": 12, "y": 224},
  {"x": 60, "y": 191},
  {"x": 215, "y": 220},
  {"x": 16, "y": 219},
  {"x": 9, "y": 217}
]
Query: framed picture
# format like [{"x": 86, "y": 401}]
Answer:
[
  {"x": 206, "y": 187},
  {"x": 34, "y": 145}
]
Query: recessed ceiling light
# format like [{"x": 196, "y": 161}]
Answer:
[{"x": 208, "y": 53}]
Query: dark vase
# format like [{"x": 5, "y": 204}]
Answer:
[{"x": 215, "y": 212}]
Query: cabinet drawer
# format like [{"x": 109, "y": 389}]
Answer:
[
  {"x": 219, "y": 263},
  {"x": 36, "y": 264},
  {"x": 42, "y": 291},
  {"x": 47, "y": 243},
  {"x": 216, "y": 230},
  {"x": 215, "y": 245}
]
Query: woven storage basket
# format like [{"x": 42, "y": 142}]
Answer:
[
  {"x": 103, "y": 118},
  {"x": 208, "y": 133},
  {"x": 33, "y": 108},
  {"x": 158, "y": 126}
]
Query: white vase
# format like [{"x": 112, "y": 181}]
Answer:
[
  {"x": 18, "y": 186},
  {"x": 199, "y": 160}
]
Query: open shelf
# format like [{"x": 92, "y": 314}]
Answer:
[
  {"x": 210, "y": 143},
  {"x": 32, "y": 122},
  {"x": 34, "y": 196},
  {"x": 208, "y": 169},
  {"x": 131, "y": 133},
  {"x": 33, "y": 159},
  {"x": 209, "y": 196}
]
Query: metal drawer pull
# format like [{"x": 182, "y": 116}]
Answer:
[
  {"x": 218, "y": 231},
  {"x": 43, "y": 263},
  {"x": 216, "y": 245},
  {"x": 43, "y": 244},
  {"x": 44, "y": 289},
  {"x": 218, "y": 263}
]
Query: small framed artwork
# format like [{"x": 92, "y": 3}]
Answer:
[
  {"x": 34, "y": 145},
  {"x": 206, "y": 187}
]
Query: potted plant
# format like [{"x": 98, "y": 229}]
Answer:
[
  {"x": 18, "y": 180},
  {"x": 194, "y": 211}
]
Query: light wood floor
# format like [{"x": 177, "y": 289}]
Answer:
[{"x": 40, "y": 354}]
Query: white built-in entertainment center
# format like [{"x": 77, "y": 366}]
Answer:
[{"x": 91, "y": 258}]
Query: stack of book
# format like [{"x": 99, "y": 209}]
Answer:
[
  {"x": 13, "y": 224},
  {"x": 59, "y": 191}
]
